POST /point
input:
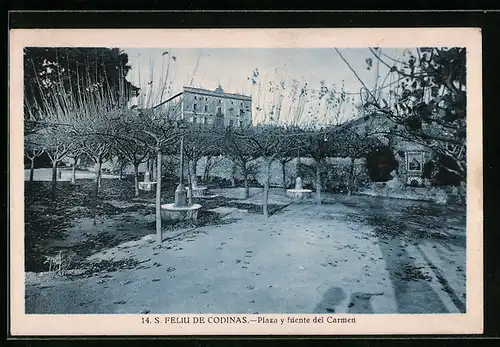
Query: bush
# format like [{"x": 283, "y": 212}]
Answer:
[
  {"x": 337, "y": 175},
  {"x": 380, "y": 162},
  {"x": 435, "y": 171}
]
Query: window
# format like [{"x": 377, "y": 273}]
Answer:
[
  {"x": 230, "y": 122},
  {"x": 195, "y": 97},
  {"x": 194, "y": 107},
  {"x": 241, "y": 103},
  {"x": 204, "y": 120},
  {"x": 194, "y": 120},
  {"x": 219, "y": 101},
  {"x": 231, "y": 102},
  {"x": 206, "y": 108},
  {"x": 414, "y": 165},
  {"x": 242, "y": 112},
  {"x": 414, "y": 161}
]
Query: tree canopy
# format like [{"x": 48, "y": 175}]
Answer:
[
  {"x": 74, "y": 71},
  {"x": 429, "y": 102}
]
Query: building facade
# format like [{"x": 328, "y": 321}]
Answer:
[
  {"x": 216, "y": 108},
  {"x": 411, "y": 157}
]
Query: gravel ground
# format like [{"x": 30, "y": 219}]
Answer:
[{"x": 357, "y": 255}]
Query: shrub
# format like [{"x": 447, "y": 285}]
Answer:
[
  {"x": 434, "y": 170},
  {"x": 338, "y": 171},
  {"x": 380, "y": 162}
]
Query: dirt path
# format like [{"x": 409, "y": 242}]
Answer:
[{"x": 330, "y": 258}]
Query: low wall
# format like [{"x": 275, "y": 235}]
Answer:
[
  {"x": 439, "y": 195},
  {"x": 334, "y": 171}
]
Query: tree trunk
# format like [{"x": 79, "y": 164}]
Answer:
[
  {"x": 73, "y": 170},
  {"x": 194, "y": 177},
  {"x": 98, "y": 173},
  {"x": 95, "y": 194},
  {"x": 245, "y": 177},
  {"x": 54, "y": 180},
  {"x": 233, "y": 172},
  {"x": 283, "y": 174},
  {"x": 32, "y": 170},
  {"x": 206, "y": 170},
  {"x": 158, "y": 199},
  {"x": 297, "y": 170},
  {"x": 318, "y": 182},
  {"x": 122, "y": 164},
  {"x": 190, "y": 182},
  {"x": 136, "y": 179},
  {"x": 266, "y": 187},
  {"x": 151, "y": 169},
  {"x": 350, "y": 187}
]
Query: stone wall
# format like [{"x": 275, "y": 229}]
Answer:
[
  {"x": 335, "y": 172},
  {"x": 439, "y": 195}
]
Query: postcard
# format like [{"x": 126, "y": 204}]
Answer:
[{"x": 245, "y": 181}]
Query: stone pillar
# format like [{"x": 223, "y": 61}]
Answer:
[
  {"x": 298, "y": 183},
  {"x": 147, "y": 177},
  {"x": 180, "y": 196}
]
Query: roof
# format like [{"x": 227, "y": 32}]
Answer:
[{"x": 218, "y": 93}]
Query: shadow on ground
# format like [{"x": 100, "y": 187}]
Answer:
[{"x": 398, "y": 224}]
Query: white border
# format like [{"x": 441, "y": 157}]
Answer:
[{"x": 39, "y": 325}]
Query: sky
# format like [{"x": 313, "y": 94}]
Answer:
[{"x": 232, "y": 67}]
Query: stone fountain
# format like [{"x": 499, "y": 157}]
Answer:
[
  {"x": 197, "y": 191},
  {"x": 147, "y": 185},
  {"x": 299, "y": 193}
]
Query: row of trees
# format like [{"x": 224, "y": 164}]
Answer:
[{"x": 79, "y": 105}]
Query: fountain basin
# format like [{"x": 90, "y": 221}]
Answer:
[
  {"x": 147, "y": 186},
  {"x": 172, "y": 212},
  {"x": 198, "y": 191},
  {"x": 299, "y": 194}
]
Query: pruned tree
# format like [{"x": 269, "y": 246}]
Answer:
[
  {"x": 266, "y": 141},
  {"x": 57, "y": 143},
  {"x": 355, "y": 141},
  {"x": 318, "y": 144},
  {"x": 238, "y": 147},
  {"x": 210, "y": 162},
  {"x": 32, "y": 150},
  {"x": 290, "y": 150},
  {"x": 199, "y": 141},
  {"x": 74, "y": 154},
  {"x": 318, "y": 139},
  {"x": 133, "y": 152},
  {"x": 157, "y": 130},
  {"x": 74, "y": 103}
]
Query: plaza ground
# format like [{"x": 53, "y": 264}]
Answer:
[{"x": 357, "y": 255}]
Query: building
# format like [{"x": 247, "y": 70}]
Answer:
[
  {"x": 215, "y": 107},
  {"x": 411, "y": 156}
]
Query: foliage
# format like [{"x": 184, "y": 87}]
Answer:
[
  {"x": 429, "y": 104},
  {"x": 342, "y": 175},
  {"x": 435, "y": 170},
  {"x": 48, "y": 70},
  {"x": 380, "y": 162}
]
